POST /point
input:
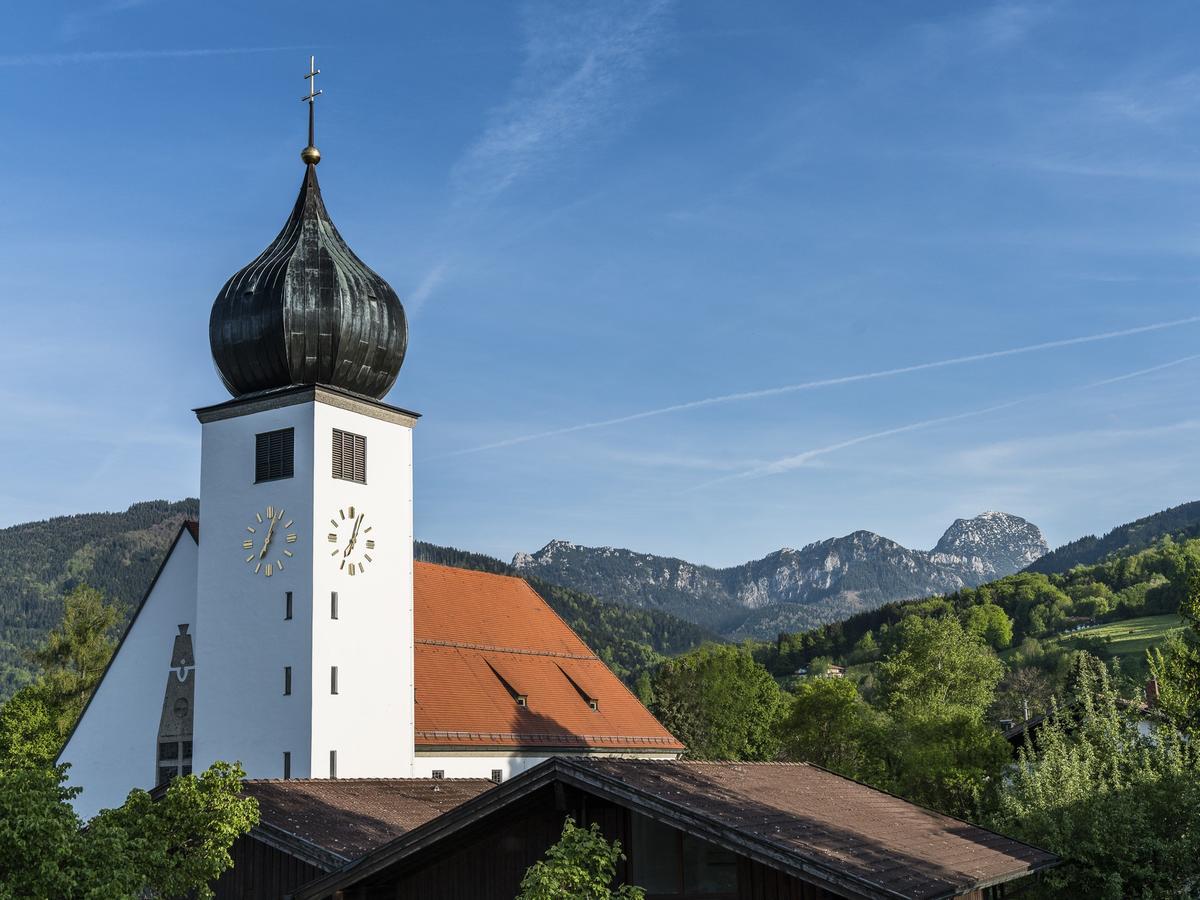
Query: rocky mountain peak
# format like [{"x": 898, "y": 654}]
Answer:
[
  {"x": 991, "y": 543},
  {"x": 794, "y": 589}
]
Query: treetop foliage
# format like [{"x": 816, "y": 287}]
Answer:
[
  {"x": 1120, "y": 808},
  {"x": 719, "y": 702},
  {"x": 581, "y": 866}
]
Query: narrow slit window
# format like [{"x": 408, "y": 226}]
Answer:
[
  {"x": 349, "y": 456},
  {"x": 274, "y": 455},
  {"x": 333, "y": 680},
  {"x": 333, "y": 764},
  {"x": 287, "y": 680},
  {"x": 333, "y": 605},
  {"x": 287, "y": 764},
  {"x": 287, "y": 605}
]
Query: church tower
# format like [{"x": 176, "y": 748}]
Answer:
[{"x": 304, "y": 605}]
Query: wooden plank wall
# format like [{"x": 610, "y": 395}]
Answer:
[
  {"x": 759, "y": 882},
  {"x": 261, "y": 872},
  {"x": 489, "y": 860}
]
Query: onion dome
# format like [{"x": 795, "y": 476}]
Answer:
[{"x": 308, "y": 311}]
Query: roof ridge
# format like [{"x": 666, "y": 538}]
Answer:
[
  {"x": 480, "y": 572},
  {"x": 489, "y": 648},
  {"x": 397, "y": 780}
]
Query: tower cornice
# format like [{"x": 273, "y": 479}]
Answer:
[{"x": 306, "y": 393}]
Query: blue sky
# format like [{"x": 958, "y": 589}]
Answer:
[{"x": 600, "y": 215}]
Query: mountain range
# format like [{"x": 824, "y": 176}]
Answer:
[
  {"x": 791, "y": 590},
  {"x": 630, "y": 607}
]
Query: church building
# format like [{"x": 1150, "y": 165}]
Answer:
[
  {"x": 290, "y": 630},
  {"x": 415, "y": 731}
]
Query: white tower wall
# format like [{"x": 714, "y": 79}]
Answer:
[{"x": 244, "y": 641}]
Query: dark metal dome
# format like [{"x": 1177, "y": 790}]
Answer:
[{"x": 308, "y": 311}]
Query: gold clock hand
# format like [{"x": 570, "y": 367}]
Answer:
[
  {"x": 353, "y": 535},
  {"x": 267, "y": 539}
]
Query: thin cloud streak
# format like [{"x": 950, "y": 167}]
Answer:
[
  {"x": 95, "y": 56},
  {"x": 788, "y": 463},
  {"x": 574, "y": 77},
  {"x": 829, "y": 382},
  {"x": 575, "y": 85}
]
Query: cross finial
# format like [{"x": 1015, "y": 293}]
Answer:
[{"x": 310, "y": 154}]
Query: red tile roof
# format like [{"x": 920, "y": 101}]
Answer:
[{"x": 482, "y": 640}]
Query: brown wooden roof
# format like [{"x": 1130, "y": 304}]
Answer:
[
  {"x": 351, "y": 816},
  {"x": 796, "y": 818},
  {"x": 809, "y": 813}
]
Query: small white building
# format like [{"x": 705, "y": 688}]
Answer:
[{"x": 293, "y": 632}]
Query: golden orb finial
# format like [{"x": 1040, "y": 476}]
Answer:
[{"x": 310, "y": 154}]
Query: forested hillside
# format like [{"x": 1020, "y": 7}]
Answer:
[
  {"x": 1179, "y": 522},
  {"x": 117, "y": 552},
  {"x": 1036, "y": 609}
]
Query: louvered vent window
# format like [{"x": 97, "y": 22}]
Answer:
[
  {"x": 349, "y": 456},
  {"x": 273, "y": 455}
]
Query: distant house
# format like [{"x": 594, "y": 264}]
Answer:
[
  {"x": 830, "y": 671},
  {"x": 722, "y": 831}
]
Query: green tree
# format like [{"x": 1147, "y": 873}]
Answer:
[
  {"x": 936, "y": 665},
  {"x": 1025, "y": 692},
  {"x": 720, "y": 703},
  {"x": 30, "y": 732},
  {"x": 950, "y": 760},
  {"x": 936, "y": 682},
  {"x": 36, "y": 721},
  {"x": 170, "y": 848},
  {"x": 581, "y": 866},
  {"x": 990, "y": 623},
  {"x": 1119, "y": 808},
  {"x": 1176, "y": 665},
  {"x": 829, "y": 724}
]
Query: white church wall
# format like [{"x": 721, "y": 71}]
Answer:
[
  {"x": 113, "y": 748},
  {"x": 243, "y": 641},
  {"x": 369, "y": 722},
  {"x": 483, "y": 763}
]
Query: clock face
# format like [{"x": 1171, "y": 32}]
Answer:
[
  {"x": 267, "y": 540},
  {"x": 351, "y": 542}
]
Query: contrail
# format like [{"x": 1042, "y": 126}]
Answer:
[
  {"x": 795, "y": 461},
  {"x": 829, "y": 382},
  {"x": 95, "y": 56}
]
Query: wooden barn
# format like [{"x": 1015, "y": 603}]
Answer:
[{"x": 690, "y": 830}]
